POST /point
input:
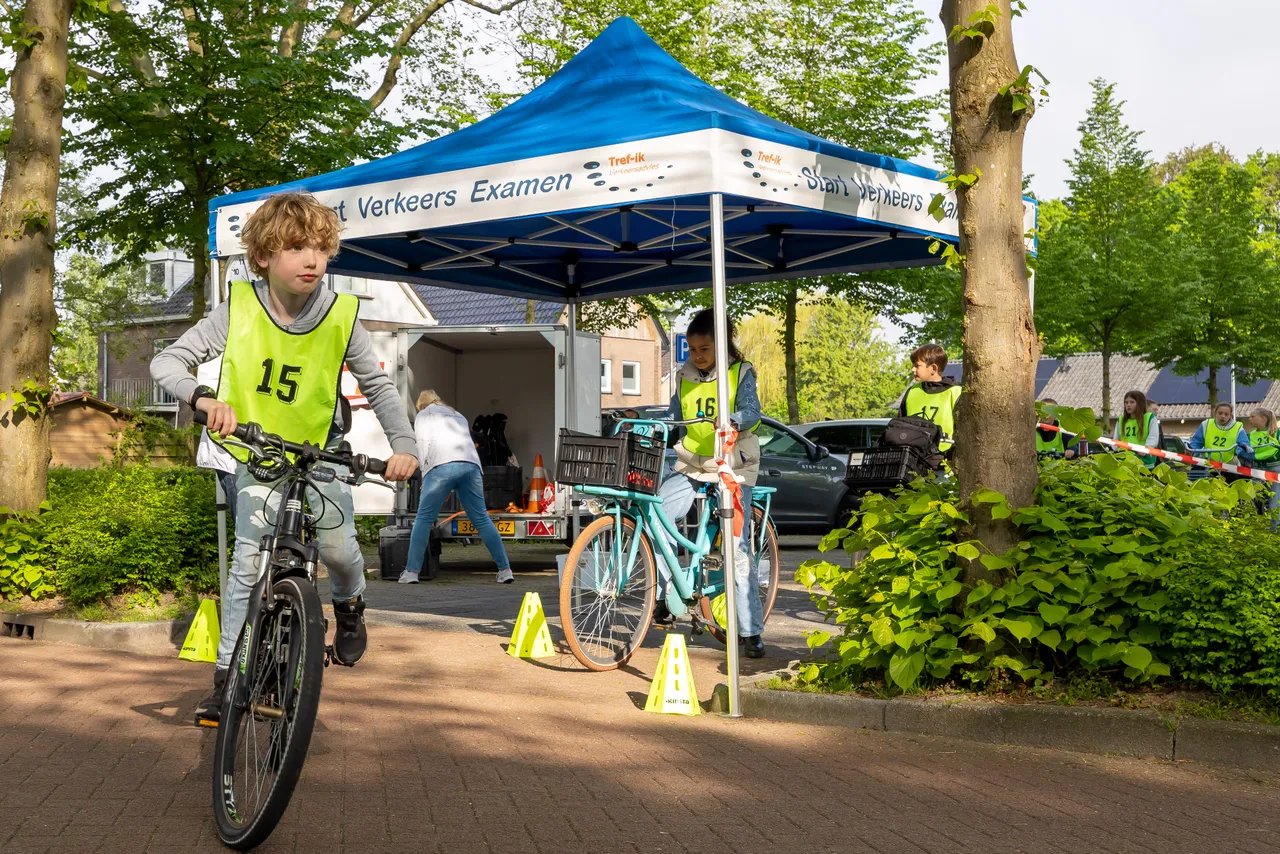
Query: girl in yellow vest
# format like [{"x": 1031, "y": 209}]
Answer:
[
  {"x": 1266, "y": 453},
  {"x": 1222, "y": 438},
  {"x": 1137, "y": 425},
  {"x": 695, "y": 397}
]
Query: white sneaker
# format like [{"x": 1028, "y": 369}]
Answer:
[
  {"x": 505, "y": 576},
  {"x": 408, "y": 577}
]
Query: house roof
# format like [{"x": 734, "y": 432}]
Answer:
[
  {"x": 1078, "y": 380},
  {"x": 463, "y": 308},
  {"x": 177, "y": 306},
  {"x": 62, "y": 397}
]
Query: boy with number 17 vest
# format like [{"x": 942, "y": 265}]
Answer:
[
  {"x": 283, "y": 340},
  {"x": 932, "y": 396}
]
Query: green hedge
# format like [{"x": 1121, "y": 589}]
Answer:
[
  {"x": 1123, "y": 572},
  {"x": 111, "y": 530}
]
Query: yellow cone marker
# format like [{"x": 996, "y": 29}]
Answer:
[
  {"x": 202, "y": 638},
  {"x": 531, "y": 639},
  {"x": 672, "y": 691}
]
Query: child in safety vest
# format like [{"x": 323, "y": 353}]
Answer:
[
  {"x": 283, "y": 340},
  {"x": 695, "y": 397},
  {"x": 1052, "y": 441},
  {"x": 1222, "y": 438},
  {"x": 1266, "y": 453},
  {"x": 1137, "y": 425},
  {"x": 932, "y": 396}
]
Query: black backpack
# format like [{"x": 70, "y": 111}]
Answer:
[{"x": 920, "y": 434}]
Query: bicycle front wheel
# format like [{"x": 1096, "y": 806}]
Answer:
[
  {"x": 766, "y": 561},
  {"x": 260, "y": 748},
  {"x": 607, "y": 594}
]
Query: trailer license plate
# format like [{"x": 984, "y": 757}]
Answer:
[{"x": 464, "y": 528}]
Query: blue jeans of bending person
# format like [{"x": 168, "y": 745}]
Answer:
[
  {"x": 257, "y": 505},
  {"x": 465, "y": 479},
  {"x": 678, "y": 493}
]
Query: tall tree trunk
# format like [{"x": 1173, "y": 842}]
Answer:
[
  {"x": 1213, "y": 389},
  {"x": 789, "y": 353},
  {"x": 529, "y": 314},
  {"x": 200, "y": 271},
  {"x": 27, "y": 228},
  {"x": 1106, "y": 377},
  {"x": 996, "y": 417}
]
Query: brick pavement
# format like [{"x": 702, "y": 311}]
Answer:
[{"x": 441, "y": 743}]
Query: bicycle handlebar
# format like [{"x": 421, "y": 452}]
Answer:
[{"x": 252, "y": 434}]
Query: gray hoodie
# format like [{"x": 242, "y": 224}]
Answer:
[{"x": 174, "y": 367}]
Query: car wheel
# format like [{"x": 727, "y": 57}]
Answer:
[{"x": 848, "y": 506}]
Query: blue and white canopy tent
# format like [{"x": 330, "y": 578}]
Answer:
[{"x": 623, "y": 174}]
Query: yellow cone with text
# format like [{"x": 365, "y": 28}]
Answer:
[
  {"x": 530, "y": 638},
  {"x": 672, "y": 691},
  {"x": 202, "y": 638}
]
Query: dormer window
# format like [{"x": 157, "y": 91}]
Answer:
[{"x": 155, "y": 276}]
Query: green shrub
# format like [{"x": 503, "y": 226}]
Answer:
[
  {"x": 24, "y": 569},
  {"x": 1222, "y": 625},
  {"x": 1082, "y": 592},
  {"x": 130, "y": 528}
]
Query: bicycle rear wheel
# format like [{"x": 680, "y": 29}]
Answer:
[
  {"x": 766, "y": 557},
  {"x": 260, "y": 749},
  {"x": 605, "y": 604}
]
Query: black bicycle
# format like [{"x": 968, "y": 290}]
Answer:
[{"x": 273, "y": 686}]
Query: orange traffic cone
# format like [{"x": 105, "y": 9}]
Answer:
[{"x": 536, "y": 486}]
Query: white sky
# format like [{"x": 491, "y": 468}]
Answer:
[{"x": 1191, "y": 72}]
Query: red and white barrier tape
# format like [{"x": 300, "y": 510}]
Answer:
[{"x": 1243, "y": 471}]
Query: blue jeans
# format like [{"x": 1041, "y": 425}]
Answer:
[
  {"x": 256, "y": 508},
  {"x": 465, "y": 479},
  {"x": 677, "y": 493}
]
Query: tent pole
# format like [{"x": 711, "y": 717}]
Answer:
[
  {"x": 571, "y": 408},
  {"x": 728, "y": 543},
  {"x": 220, "y": 497}
]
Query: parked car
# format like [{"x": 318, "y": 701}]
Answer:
[
  {"x": 841, "y": 437},
  {"x": 809, "y": 476}
]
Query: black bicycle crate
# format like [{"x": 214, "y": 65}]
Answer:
[
  {"x": 879, "y": 468},
  {"x": 626, "y": 461}
]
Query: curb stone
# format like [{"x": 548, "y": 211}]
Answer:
[
  {"x": 154, "y": 637},
  {"x": 1084, "y": 730}
]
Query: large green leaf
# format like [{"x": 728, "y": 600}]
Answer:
[
  {"x": 904, "y": 668},
  {"x": 1053, "y": 614}
]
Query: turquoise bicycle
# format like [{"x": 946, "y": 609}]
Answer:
[{"x": 609, "y": 587}]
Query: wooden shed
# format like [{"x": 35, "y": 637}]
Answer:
[{"x": 85, "y": 430}]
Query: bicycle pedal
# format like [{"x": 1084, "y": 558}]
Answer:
[{"x": 208, "y": 723}]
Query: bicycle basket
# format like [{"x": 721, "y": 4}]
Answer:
[
  {"x": 880, "y": 468},
  {"x": 627, "y": 461}
]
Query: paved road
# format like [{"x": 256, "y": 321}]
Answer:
[{"x": 439, "y": 742}]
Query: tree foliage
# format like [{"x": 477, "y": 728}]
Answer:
[
  {"x": 181, "y": 102},
  {"x": 1107, "y": 258}
]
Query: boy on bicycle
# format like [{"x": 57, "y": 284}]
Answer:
[{"x": 283, "y": 341}]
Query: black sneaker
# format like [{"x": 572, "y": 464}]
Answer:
[
  {"x": 350, "y": 639},
  {"x": 209, "y": 710},
  {"x": 662, "y": 616},
  {"x": 755, "y": 647}
]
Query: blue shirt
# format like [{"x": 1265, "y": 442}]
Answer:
[{"x": 1243, "y": 449}]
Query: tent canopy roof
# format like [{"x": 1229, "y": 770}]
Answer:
[{"x": 597, "y": 184}]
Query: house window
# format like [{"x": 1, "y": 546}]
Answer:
[
  {"x": 630, "y": 377},
  {"x": 606, "y": 376},
  {"x": 351, "y": 285},
  {"x": 155, "y": 275}
]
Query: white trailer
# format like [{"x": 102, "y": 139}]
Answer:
[{"x": 521, "y": 371}]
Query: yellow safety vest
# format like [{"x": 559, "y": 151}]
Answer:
[
  {"x": 287, "y": 382},
  {"x": 1133, "y": 432},
  {"x": 1216, "y": 437},
  {"x": 698, "y": 400},
  {"x": 940, "y": 408},
  {"x": 1054, "y": 445},
  {"x": 1265, "y": 446}
]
